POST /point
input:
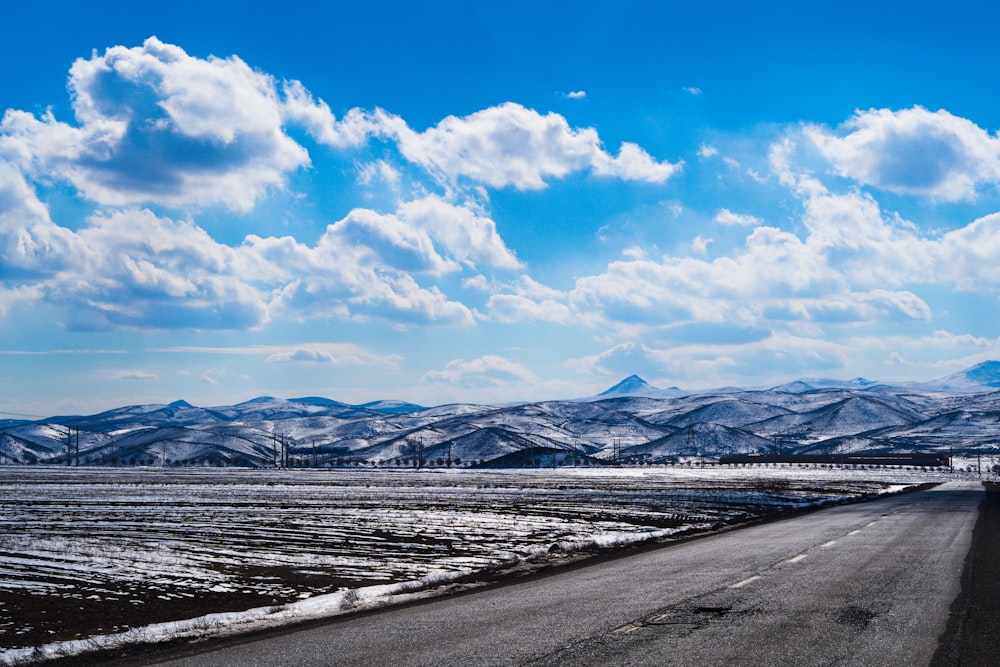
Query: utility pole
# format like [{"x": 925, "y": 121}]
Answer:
[
  {"x": 418, "y": 453},
  {"x": 69, "y": 446},
  {"x": 78, "y": 448}
]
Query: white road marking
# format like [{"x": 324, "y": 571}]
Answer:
[
  {"x": 854, "y": 532},
  {"x": 625, "y": 629},
  {"x": 741, "y": 584},
  {"x": 797, "y": 558},
  {"x": 829, "y": 544}
]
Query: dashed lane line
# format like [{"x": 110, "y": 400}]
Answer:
[
  {"x": 797, "y": 558},
  {"x": 829, "y": 544},
  {"x": 748, "y": 580}
]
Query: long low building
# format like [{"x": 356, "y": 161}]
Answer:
[{"x": 929, "y": 460}]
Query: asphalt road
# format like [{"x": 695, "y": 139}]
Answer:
[{"x": 863, "y": 584}]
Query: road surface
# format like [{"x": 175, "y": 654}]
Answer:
[{"x": 862, "y": 584}]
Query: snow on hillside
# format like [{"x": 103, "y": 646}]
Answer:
[
  {"x": 727, "y": 412},
  {"x": 811, "y": 414},
  {"x": 980, "y": 378},
  {"x": 697, "y": 439}
]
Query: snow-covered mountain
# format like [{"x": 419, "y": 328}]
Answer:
[
  {"x": 633, "y": 384},
  {"x": 978, "y": 378},
  {"x": 631, "y": 420}
]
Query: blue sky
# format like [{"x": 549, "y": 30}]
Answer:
[{"x": 488, "y": 202}]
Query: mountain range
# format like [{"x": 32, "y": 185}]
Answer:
[{"x": 631, "y": 421}]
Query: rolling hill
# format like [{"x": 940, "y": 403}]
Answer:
[{"x": 631, "y": 420}]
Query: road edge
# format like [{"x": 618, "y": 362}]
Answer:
[{"x": 973, "y": 625}]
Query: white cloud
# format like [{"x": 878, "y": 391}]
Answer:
[
  {"x": 487, "y": 371},
  {"x": 781, "y": 354},
  {"x": 514, "y": 308},
  {"x": 969, "y": 255},
  {"x": 691, "y": 90},
  {"x": 706, "y": 151},
  {"x": 367, "y": 263},
  {"x": 134, "y": 269},
  {"x": 326, "y": 353},
  {"x": 19, "y": 297},
  {"x": 849, "y": 268},
  {"x": 464, "y": 235},
  {"x": 700, "y": 244},
  {"x": 726, "y": 217},
  {"x": 338, "y": 354},
  {"x": 133, "y": 375},
  {"x": 369, "y": 238},
  {"x": 156, "y": 125},
  {"x": 576, "y": 94},
  {"x": 913, "y": 151},
  {"x": 301, "y": 108},
  {"x": 512, "y": 146},
  {"x": 213, "y": 375},
  {"x": 31, "y": 245},
  {"x": 620, "y": 360},
  {"x": 380, "y": 170}
]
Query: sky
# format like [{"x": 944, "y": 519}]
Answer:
[{"x": 489, "y": 202}]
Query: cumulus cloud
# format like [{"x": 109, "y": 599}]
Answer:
[
  {"x": 967, "y": 256},
  {"x": 464, "y": 235},
  {"x": 300, "y": 107},
  {"x": 913, "y": 151},
  {"x": 134, "y": 269},
  {"x": 318, "y": 284},
  {"x": 366, "y": 264},
  {"x": 31, "y": 245},
  {"x": 367, "y": 237},
  {"x": 156, "y": 125},
  {"x": 850, "y": 267},
  {"x": 576, "y": 94},
  {"x": 726, "y": 217},
  {"x": 487, "y": 371},
  {"x": 513, "y": 146}
]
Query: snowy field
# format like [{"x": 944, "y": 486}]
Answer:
[{"x": 97, "y": 557}]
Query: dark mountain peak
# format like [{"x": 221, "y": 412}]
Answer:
[
  {"x": 315, "y": 400},
  {"x": 633, "y": 384},
  {"x": 180, "y": 404}
]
